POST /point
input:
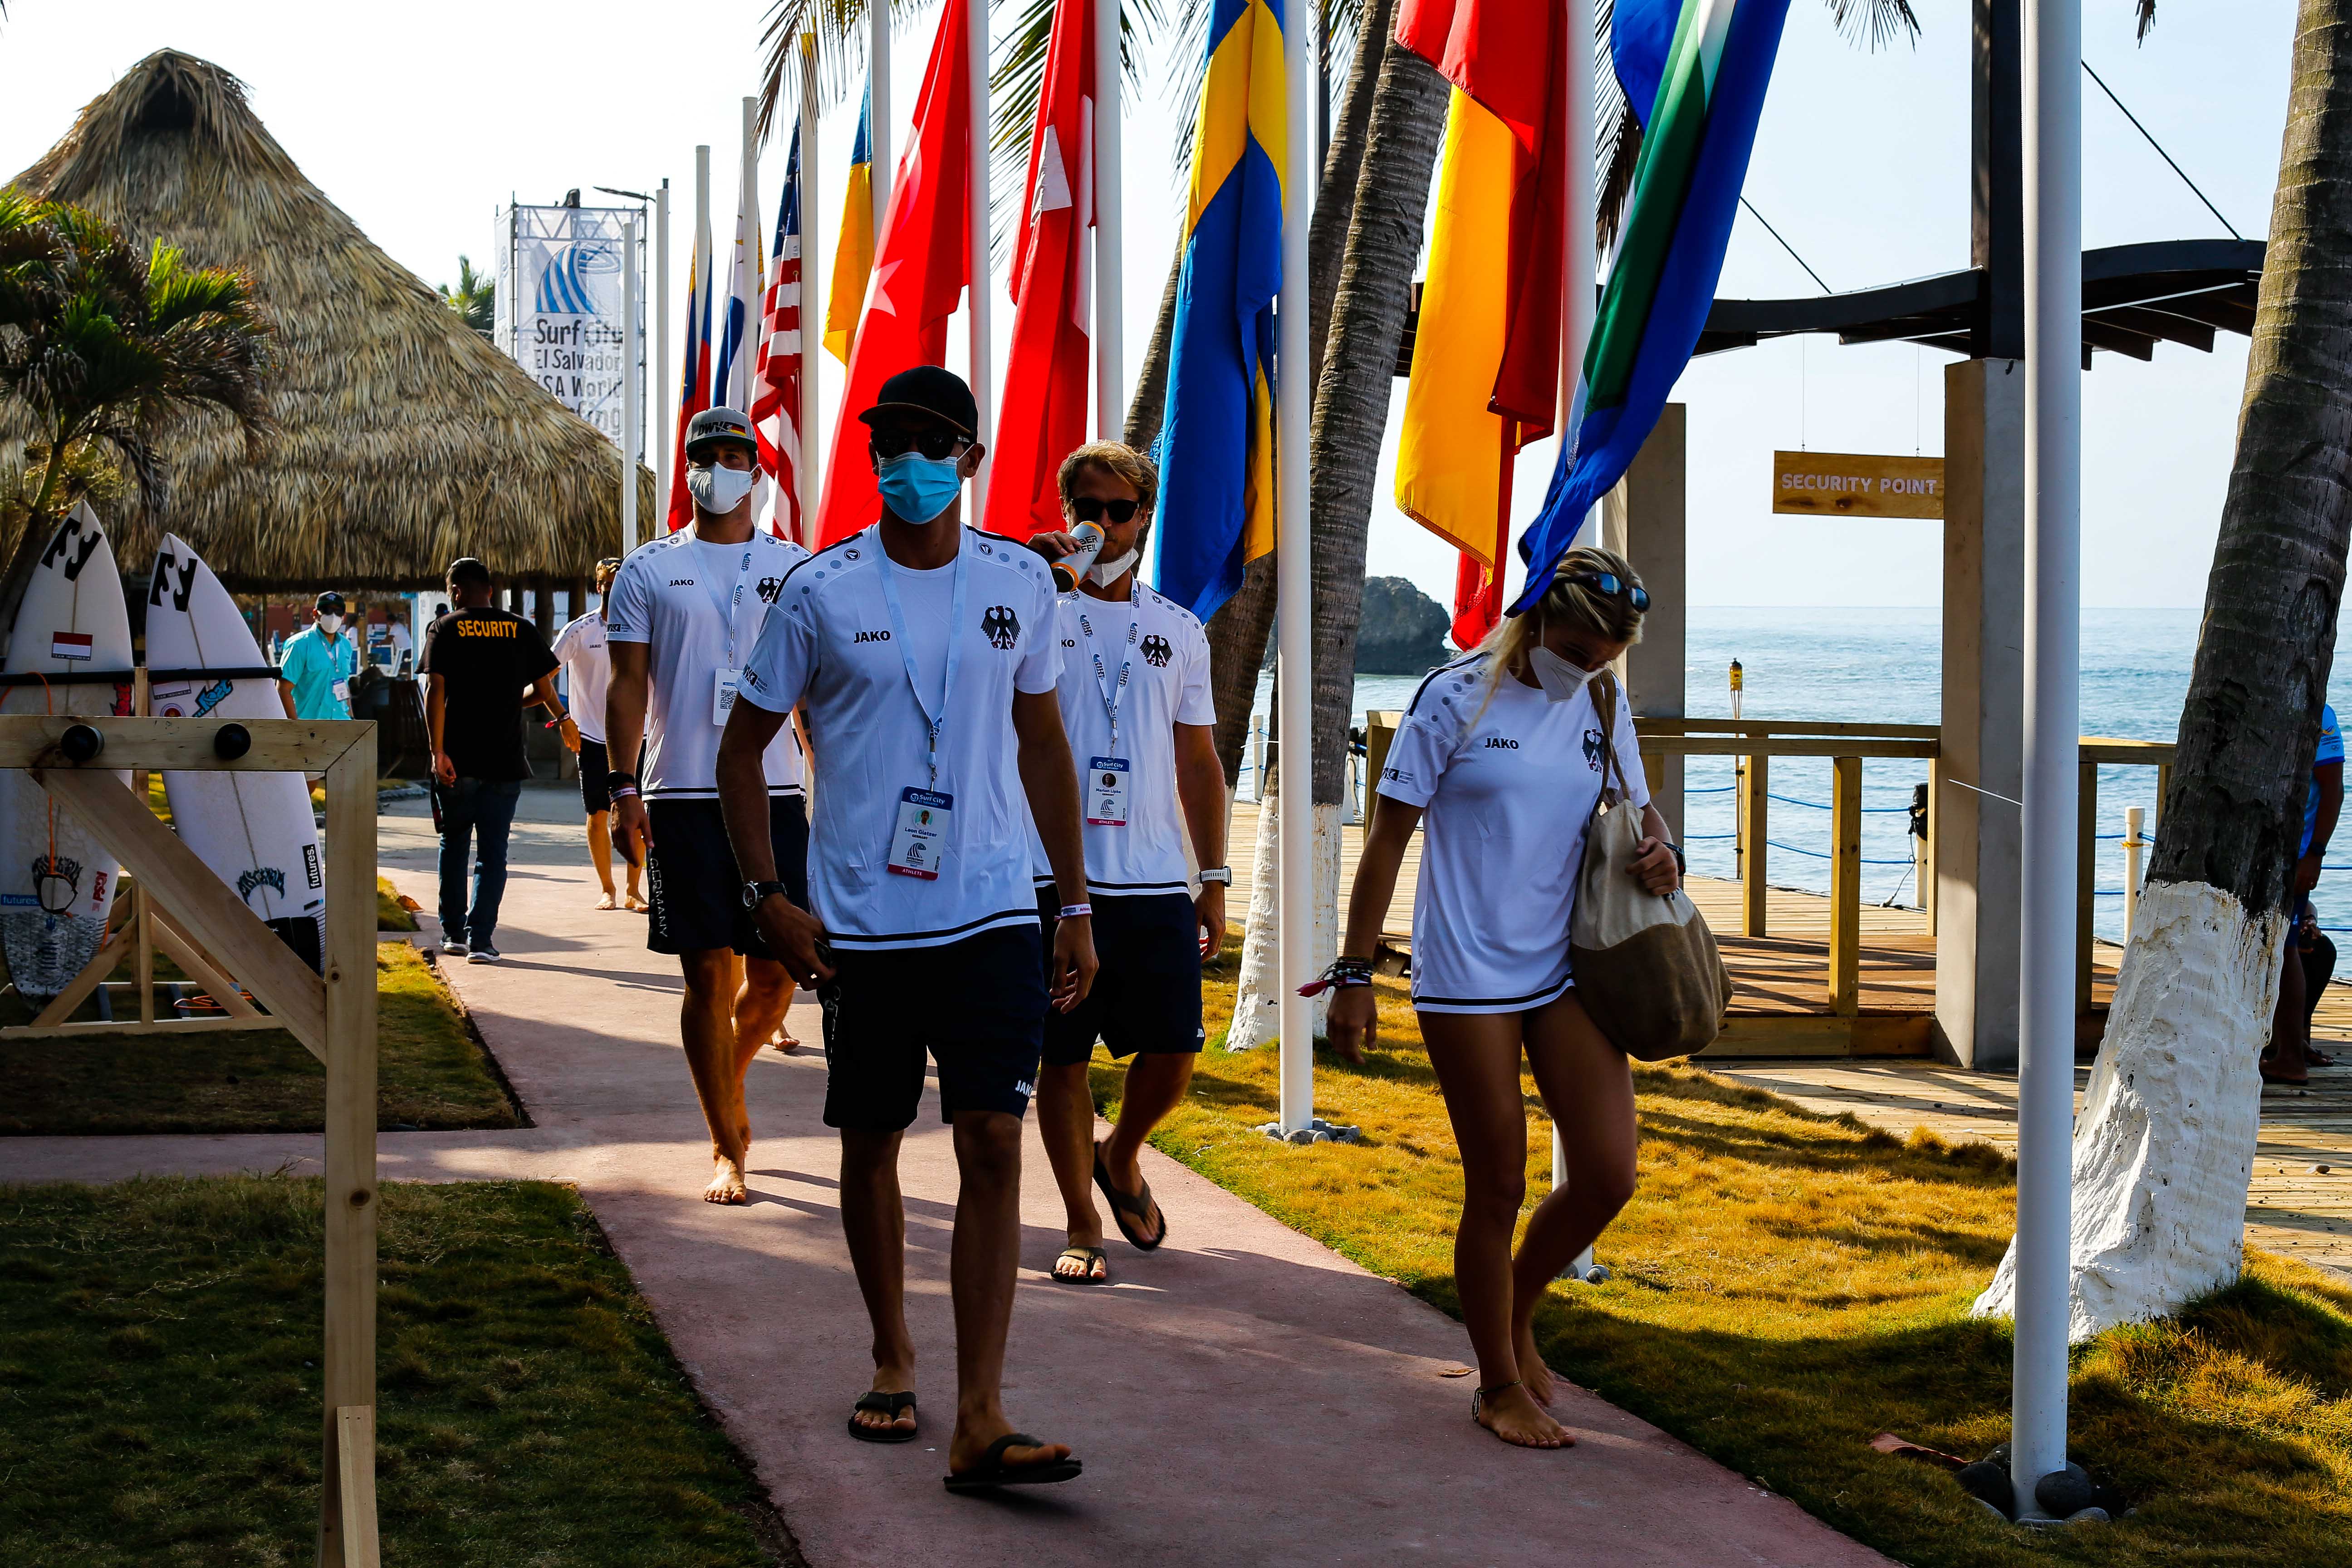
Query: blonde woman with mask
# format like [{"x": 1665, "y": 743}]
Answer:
[{"x": 1499, "y": 760}]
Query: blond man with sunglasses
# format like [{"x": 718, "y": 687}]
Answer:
[{"x": 587, "y": 676}]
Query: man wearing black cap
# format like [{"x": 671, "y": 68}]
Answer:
[
  {"x": 482, "y": 666},
  {"x": 314, "y": 672},
  {"x": 680, "y": 621},
  {"x": 922, "y": 656}
]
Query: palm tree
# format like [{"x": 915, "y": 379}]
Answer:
[
  {"x": 475, "y": 298},
  {"x": 2165, "y": 1142},
  {"x": 108, "y": 349}
]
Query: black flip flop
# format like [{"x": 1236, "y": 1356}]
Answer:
[
  {"x": 890, "y": 1405},
  {"x": 993, "y": 1471},
  {"x": 1089, "y": 1256},
  {"x": 1123, "y": 1204}
]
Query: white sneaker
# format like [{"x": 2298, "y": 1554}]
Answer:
[
  {"x": 483, "y": 955},
  {"x": 453, "y": 948}
]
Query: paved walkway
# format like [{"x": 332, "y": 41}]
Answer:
[{"x": 1243, "y": 1395}]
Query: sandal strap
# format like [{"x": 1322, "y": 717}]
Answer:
[{"x": 886, "y": 1403}]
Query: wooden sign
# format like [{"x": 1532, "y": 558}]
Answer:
[{"x": 1857, "y": 484}]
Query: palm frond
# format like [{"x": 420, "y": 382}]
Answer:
[
  {"x": 2147, "y": 9},
  {"x": 840, "y": 31},
  {"x": 1875, "y": 23}
]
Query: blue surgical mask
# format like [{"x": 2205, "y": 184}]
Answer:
[{"x": 917, "y": 488}]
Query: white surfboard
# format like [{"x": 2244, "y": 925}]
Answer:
[
  {"x": 254, "y": 830},
  {"x": 57, "y": 883}
]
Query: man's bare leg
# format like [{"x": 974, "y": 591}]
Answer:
[
  {"x": 1156, "y": 1082},
  {"x": 600, "y": 854},
  {"x": 706, "y": 1025},
  {"x": 981, "y": 1273},
  {"x": 873, "y": 1222},
  {"x": 765, "y": 991},
  {"x": 1066, "y": 1120}
]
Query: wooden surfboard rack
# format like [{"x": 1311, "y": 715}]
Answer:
[{"x": 177, "y": 896}]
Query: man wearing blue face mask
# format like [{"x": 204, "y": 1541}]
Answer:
[{"x": 924, "y": 658}]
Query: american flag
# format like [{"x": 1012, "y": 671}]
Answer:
[{"x": 776, "y": 376}]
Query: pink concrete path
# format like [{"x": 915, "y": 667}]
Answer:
[{"x": 1243, "y": 1395}]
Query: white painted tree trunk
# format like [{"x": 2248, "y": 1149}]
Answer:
[
  {"x": 2164, "y": 1145},
  {"x": 1257, "y": 1001},
  {"x": 1323, "y": 938}
]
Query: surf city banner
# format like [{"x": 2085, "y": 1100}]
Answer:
[{"x": 560, "y": 313}]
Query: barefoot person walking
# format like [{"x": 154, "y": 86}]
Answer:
[
  {"x": 1136, "y": 704},
  {"x": 683, "y": 615},
  {"x": 579, "y": 647},
  {"x": 922, "y": 656},
  {"x": 1500, "y": 760}
]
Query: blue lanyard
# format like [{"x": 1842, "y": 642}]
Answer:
[
  {"x": 729, "y": 606},
  {"x": 1112, "y": 694},
  {"x": 937, "y": 722}
]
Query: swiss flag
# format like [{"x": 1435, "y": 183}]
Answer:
[
  {"x": 920, "y": 267},
  {"x": 1053, "y": 290}
]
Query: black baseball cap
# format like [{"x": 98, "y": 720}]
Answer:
[
  {"x": 712, "y": 425},
  {"x": 929, "y": 389},
  {"x": 329, "y": 603}
]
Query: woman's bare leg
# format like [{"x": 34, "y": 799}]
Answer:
[
  {"x": 599, "y": 853},
  {"x": 1587, "y": 1087},
  {"x": 1477, "y": 1056}
]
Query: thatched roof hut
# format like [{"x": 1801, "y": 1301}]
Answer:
[{"x": 403, "y": 438}]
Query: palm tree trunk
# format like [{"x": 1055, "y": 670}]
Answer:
[
  {"x": 1149, "y": 405},
  {"x": 2165, "y": 1143}
]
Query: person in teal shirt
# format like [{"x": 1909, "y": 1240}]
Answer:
[{"x": 316, "y": 669}]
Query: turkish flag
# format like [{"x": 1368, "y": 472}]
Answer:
[
  {"x": 921, "y": 265},
  {"x": 1044, "y": 415}
]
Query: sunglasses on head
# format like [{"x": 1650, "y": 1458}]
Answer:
[
  {"x": 895, "y": 441},
  {"x": 614, "y": 561},
  {"x": 1612, "y": 586},
  {"x": 1088, "y": 509}
]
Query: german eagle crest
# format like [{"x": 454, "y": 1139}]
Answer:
[
  {"x": 1156, "y": 651},
  {"x": 1001, "y": 626}
]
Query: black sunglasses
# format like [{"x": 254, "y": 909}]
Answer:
[
  {"x": 1612, "y": 586},
  {"x": 896, "y": 441},
  {"x": 1088, "y": 509}
]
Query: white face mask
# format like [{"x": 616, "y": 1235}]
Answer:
[
  {"x": 1559, "y": 679},
  {"x": 719, "y": 490},
  {"x": 331, "y": 625},
  {"x": 1106, "y": 573}
]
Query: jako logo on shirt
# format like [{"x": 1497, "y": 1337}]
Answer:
[
  {"x": 1156, "y": 651},
  {"x": 871, "y": 636},
  {"x": 1501, "y": 743},
  {"x": 1002, "y": 626},
  {"x": 1592, "y": 750}
]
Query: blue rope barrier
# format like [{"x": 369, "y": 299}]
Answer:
[
  {"x": 1688, "y": 837},
  {"x": 1711, "y": 789},
  {"x": 1824, "y": 855},
  {"x": 1817, "y": 805}
]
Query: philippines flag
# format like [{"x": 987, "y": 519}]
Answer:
[{"x": 776, "y": 382}]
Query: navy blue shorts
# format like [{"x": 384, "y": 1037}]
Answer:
[
  {"x": 975, "y": 1006},
  {"x": 692, "y": 882},
  {"x": 1147, "y": 994}
]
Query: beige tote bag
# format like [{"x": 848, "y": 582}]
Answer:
[{"x": 1646, "y": 967}]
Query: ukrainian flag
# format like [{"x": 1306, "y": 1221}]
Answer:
[
  {"x": 1216, "y": 440},
  {"x": 853, "y": 257}
]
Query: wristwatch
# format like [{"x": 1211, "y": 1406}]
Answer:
[
  {"x": 1222, "y": 876},
  {"x": 753, "y": 892}
]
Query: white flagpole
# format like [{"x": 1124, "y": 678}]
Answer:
[
  {"x": 1294, "y": 576},
  {"x": 877, "y": 112},
  {"x": 977, "y": 299},
  {"x": 1576, "y": 321},
  {"x": 663, "y": 391},
  {"x": 633, "y": 417},
  {"x": 755, "y": 262},
  {"x": 1110, "y": 371},
  {"x": 2054, "y": 554},
  {"x": 812, "y": 300}
]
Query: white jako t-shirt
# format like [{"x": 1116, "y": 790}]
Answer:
[
  {"x": 829, "y": 647},
  {"x": 1167, "y": 684},
  {"x": 1506, "y": 792},
  {"x": 587, "y": 672},
  {"x": 661, "y": 598}
]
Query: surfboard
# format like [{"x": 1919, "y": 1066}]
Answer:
[
  {"x": 57, "y": 883},
  {"x": 254, "y": 830}
]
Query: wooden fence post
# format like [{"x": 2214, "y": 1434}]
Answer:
[
  {"x": 1755, "y": 810},
  {"x": 1845, "y": 885},
  {"x": 2086, "y": 879}
]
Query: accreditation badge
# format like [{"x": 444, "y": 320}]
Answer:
[
  {"x": 724, "y": 685},
  {"x": 919, "y": 843},
  {"x": 1106, "y": 798}
]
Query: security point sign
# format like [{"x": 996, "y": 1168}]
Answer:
[
  {"x": 1856, "y": 484},
  {"x": 560, "y": 311}
]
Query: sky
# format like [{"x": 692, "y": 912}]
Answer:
[{"x": 420, "y": 129}]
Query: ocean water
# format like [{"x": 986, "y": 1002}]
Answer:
[{"x": 1885, "y": 665}]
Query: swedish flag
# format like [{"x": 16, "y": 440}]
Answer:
[{"x": 1216, "y": 440}]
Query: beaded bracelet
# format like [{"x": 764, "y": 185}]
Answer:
[{"x": 1343, "y": 973}]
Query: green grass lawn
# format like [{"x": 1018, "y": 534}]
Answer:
[
  {"x": 430, "y": 1073},
  {"x": 1788, "y": 1285},
  {"x": 159, "y": 1342}
]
